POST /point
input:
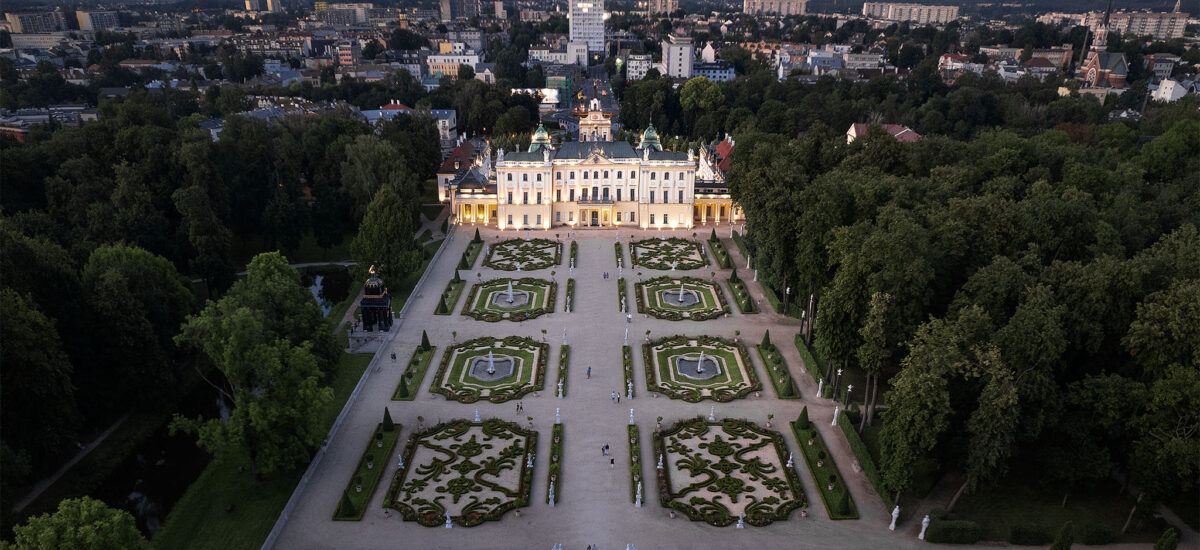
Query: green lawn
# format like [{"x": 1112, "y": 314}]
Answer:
[
  {"x": 1019, "y": 500},
  {"x": 431, "y": 211},
  {"x": 429, "y": 191},
  {"x": 417, "y": 365},
  {"x": 225, "y": 510}
]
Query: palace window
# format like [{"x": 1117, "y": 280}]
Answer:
[
  {"x": 558, "y": 195},
  {"x": 510, "y": 219},
  {"x": 509, "y": 199},
  {"x": 585, "y": 174},
  {"x": 618, "y": 195},
  {"x": 525, "y": 197},
  {"x": 524, "y": 177},
  {"x": 618, "y": 174},
  {"x": 606, "y": 174},
  {"x": 558, "y": 217},
  {"x": 666, "y": 176},
  {"x": 572, "y": 194},
  {"x": 680, "y": 197},
  {"x": 539, "y": 219},
  {"x": 539, "y": 196},
  {"x": 571, "y": 216},
  {"x": 558, "y": 175},
  {"x": 525, "y": 219},
  {"x": 633, "y": 174},
  {"x": 509, "y": 177},
  {"x": 539, "y": 177},
  {"x": 632, "y": 217},
  {"x": 595, "y": 175},
  {"x": 651, "y": 219},
  {"x": 571, "y": 174},
  {"x": 651, "y": 175},
  {"x": 652, "y": 199}
]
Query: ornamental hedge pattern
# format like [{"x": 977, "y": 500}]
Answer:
[
  {"x": 714, "y": 471},
  {"x": 542, "y": 291},
  {"x": 711, "y": 306},
  {"x": 528, "y": 255},
  {"x": 477, "y": 471},
  {"x": 739, "y": 380},
  {"x": 663, "y": 254}
]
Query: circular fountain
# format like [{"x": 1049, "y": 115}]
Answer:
[
  {"x": 680, "y": 298},
  {"x": 492, "y": 367},
  {"x": 510, "y": 299},
  {"x": 698, "y": 367}
]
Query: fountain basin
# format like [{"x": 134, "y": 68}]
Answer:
[
  {"x": 520, "y": 299},
  {"x": 686, "y": 366},
  {"x": 503, "y": 367},
  {"x": 676, "y": 298}
]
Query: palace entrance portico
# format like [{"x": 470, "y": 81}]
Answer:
[{"x": 595, "y": 213}]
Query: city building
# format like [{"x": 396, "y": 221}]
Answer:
[
  {"x": 572, "y": 53},
  {"x": 903, "y": 134},
  {"x": 917, "y": 13},
  {"x": 717, "y": 71},
  {"x": 677, "y": 56},
  {"x": 775, "y": 7},
  {"x": 594, "y": 123},
  {"x": 451, "y": 10},
  {"x": 588, "y": 183},
  {"x": 256, "y": 5},
  {"x": 1170, "y": 90},
  {"x": 349, "y": 53},
  {"x": 447, "y": 63},
  {"x": 587, "y": 23},
  {"x": 1161, "y": 64},
  {"x": 470, "y": 154},
  {"x": 637, "y": 65},
  {"x": 273, "y": 6},
  {"x": 664, "y": 7},
  {"x": 97, "y": 20},
  {"x": 1101, "y": 68},
  {"x": 1158, "y": 25},
  {"x": 40, "y": 22}
]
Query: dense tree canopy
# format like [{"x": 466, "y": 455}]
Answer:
[{"x": 81, "y": 524}]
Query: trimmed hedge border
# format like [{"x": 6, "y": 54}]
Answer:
[
  {"x": 471, "y": 254},
  {"x": 617, "y": 249},
  {"x": 414, "y": 372},
  {"x": 378, "y": 450},
  {"x": 741, "y": 294},
  {"x": 953, "y": 532},
  {"x": 815, "y": 368},
  {"x": 525, "y": 487},
  {"x": 757, "y": 520},
  {"x": 663, "y": 265},
  {"x": 574, "y": 253},
  {"x": 785, "y": 389},
  {"x": 864, "y": 459},
  {"x": 803, "y": 435},
  {"x": 564, "y": 356},
  {"x": 635, "y": 463},
  {"x": 622, "y": 294},
  {"x": 570, "y": 295},
  {"x": 627, "y": 364},
  {"x": 538, "y": 382},
  {"x": 553, "y": 473},
  {"x": 741, "y": 244},
  {"x": 450, "y": 295},
  {"x": 496, "y": 317},
  {"x": 720, "y": 254}
]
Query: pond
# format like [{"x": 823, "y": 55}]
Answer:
[{"x": 329, "y": 284}]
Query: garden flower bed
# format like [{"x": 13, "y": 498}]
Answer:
[
  {"x": 834, "y": 493},
  {"x": 361, "y": 487}
]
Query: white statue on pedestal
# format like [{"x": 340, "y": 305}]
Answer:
[
  {"x": 924, "y": 526},
  {"x": 895, "y": 516}
]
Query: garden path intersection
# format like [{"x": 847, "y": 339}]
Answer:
[{"x": 592, "y": 501}]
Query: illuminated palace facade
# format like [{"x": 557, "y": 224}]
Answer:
[{"x": 593, "y": 184}]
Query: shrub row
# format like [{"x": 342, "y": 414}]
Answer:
[
  {"x": 826, "y": 476},
  {"x": 617, "y": 249},
  {"x": 553, "y": 473},
  {"x": 449, "y": 298},
  {"x": 777, "y": 371},
  {"x": 741, "y": 244},
  {"x": 953, "y": 532},
  {"x": 570, "y": 296},
  {"x": 414, "y": 372},
  {"x": 720, "y": 254},
  {"x": 814, "y": 367},
  {"x": 574, "y": 253},
  {"x": 864, "y": 459},
  {"x": 564, "y": 356},
  {"x": 357, "y": 494},
  {"x": 627, "y": 365},
  {"x": 635, "y": 463},
  {"x": 741, "y": 294},
  {"x": 621, "y": 296}
]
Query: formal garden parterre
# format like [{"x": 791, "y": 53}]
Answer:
[
  {"x": 717, "y": 471},
  {"x": 471, "y": 471},
  {"x": 666, "y": 254},
  {"x": 678, "y": 298},
  {"x": 491, "y": 368},
  {"x": 697, "y": 368},
  {"x": 510, "y": 299},
  {"x": 523, "y": 255}
]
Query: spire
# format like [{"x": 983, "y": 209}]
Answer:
[{"x": 1176, "y": 10}]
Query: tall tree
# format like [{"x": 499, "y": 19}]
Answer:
[
  {"x": 992, "y": 427},
  {"x": 874, "y": 352},
  {"x": 385, "y": 238},
  {"x": 371, "y": 164},
  {"x": 81, "y": 524}
]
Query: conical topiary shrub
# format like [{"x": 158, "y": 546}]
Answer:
[
  {"x": 1066, "y": 536},
  {"x": 388, "y": 425},
  {"x": 462, "y": 262},
  {"x": 346, "y": 507},
  {"x": 442, "y": 308},
  {"x": 803, "y": 422},
  {"x": 424, "y": 341},
  {"x": 766, "y": 342},
  {"x": 733, "y": 276},
  {"x": 713, "y": 237},
  {"x": 402, "y": 391},
  {"x": 476, "y": 239}
]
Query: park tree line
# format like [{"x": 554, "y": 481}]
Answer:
[
  {"x": 1026, "y": 296},
  {"x": 110, "y": 232}
]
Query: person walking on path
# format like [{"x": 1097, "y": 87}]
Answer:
[
  {"x": 393, "y": 357},
  {"x": 612, "y": 463},
  {"x": 613, "y": 397},
  {"x": 589, "y": 373},
  {"x": 618, "y": 399}
]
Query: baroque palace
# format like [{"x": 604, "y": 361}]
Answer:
[{"x": 592, "y": 183}]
